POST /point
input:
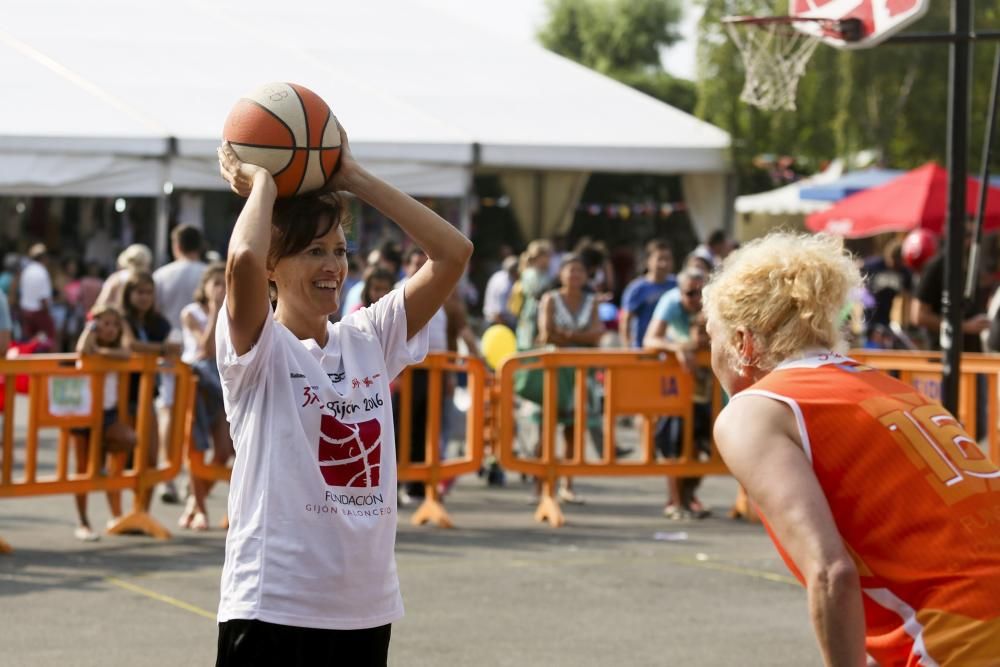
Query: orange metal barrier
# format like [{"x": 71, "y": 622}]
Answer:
[
  {"x": 922, "y": 370},
  {"x": 433, "y": 469},
  {"x": 647, "y": 384},
  {"x": 61, "y": 397}
]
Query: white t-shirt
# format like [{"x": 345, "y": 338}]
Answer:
[
  {"x": 175, "y": 285},
  {"x": 497, "y": 293},
  {"x": 189, "y": 338},
  {"x": 36, "y": 285},
  {"x": 312, "y": 501}
]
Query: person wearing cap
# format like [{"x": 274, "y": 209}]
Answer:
[
  {"x": 495, "y": 299},
  {"x": 35, "y": 297}
]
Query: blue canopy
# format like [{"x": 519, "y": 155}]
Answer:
[{"x": 849, "y": 183}]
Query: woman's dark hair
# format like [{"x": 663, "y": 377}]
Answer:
[
  {"x": 372, "y": 275},
  {"x": 135, "y": 279},
  {"x": 213, "y": 270},
  {"x": 296, "y": 221},
  {"x": 572, "y": 258}
]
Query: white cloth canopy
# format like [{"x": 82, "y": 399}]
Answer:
[
  {"x": 117, "y": 97},
  {"x": 781, "y": 208},
  {"x": 780, "y": 201}
]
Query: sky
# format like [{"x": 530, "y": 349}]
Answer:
[{"x": 521, "y": 19}]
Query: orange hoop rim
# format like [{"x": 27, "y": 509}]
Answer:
[{"x": 848, "y": 29}]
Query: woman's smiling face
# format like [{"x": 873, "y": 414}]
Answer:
[{"x": 310, "y": 281}]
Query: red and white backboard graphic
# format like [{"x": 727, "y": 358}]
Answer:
[
  {"x": 350, "y": 455},
  {"x": 880, "y": 19}
]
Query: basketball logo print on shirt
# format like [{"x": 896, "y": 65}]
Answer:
[{"x": 350, "y": 455}]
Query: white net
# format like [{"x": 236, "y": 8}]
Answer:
[{"x": 775, "y": 57}]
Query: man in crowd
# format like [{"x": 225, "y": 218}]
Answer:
[
  {"x": 642, "y": 294},
  {"x": 886, "y": 278},
  {"x": 175, "y": 284},
  {"x": 497, "y": 294},
  {"x": 673, "y": 329},
  {"x": 926, "y": 307},
  {"x": 35, "y": 298},
  {"x": 6, "y": 325}
]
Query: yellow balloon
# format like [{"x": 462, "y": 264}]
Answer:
[{"x": 498, "y": 343}]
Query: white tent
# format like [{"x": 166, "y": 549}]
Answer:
[
  {"x": 780, "y": 201},
  {"x": 117, "y": 97},
  {"x": 782, "y": 207}
]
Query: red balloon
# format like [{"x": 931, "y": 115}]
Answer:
[{"x": 919, "y": 247}]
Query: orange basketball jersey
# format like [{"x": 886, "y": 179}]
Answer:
[{"x": 916, "y": 502}]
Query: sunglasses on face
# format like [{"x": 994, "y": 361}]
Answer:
[{"x": 691, "y": 293}]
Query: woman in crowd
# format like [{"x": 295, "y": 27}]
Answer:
[
  {"x": 149, "y": 330},
  {"x": 133, "y": 259},
  {"x": 568, "y": 317},
  {"x": 211, "y": 430},
  {"x": 378, "y": 282}
]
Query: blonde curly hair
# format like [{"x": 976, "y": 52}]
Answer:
[{"x": 787, "y": 290}]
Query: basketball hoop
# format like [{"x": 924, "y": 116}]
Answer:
[{"x": 775, "y": 52}]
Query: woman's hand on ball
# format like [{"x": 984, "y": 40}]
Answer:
[
  {"x": 240, "y": 175},
  {"x": 346, "y": 167}
]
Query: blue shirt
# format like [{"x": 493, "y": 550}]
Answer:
[
  {"x": 669, "y": 310},
  {"x": 352, "y": 297},
  {"x": 640, "y": 298},
  {"x": 5, "y": 323}
]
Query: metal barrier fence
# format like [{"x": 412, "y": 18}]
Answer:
[
  {"x": 66, "y": 391},
  {"x": 434, "y": 469},
  {"x": 646, "y": 385}
]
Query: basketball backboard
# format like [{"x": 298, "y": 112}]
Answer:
[{"x": 879, "y": 19}]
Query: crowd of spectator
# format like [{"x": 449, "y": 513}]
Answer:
[{"x": 548, "y": 295}]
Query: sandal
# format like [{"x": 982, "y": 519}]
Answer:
[
  {"x": 85, "y": 534},
  {"x": 199, "y": 522},
  {"x": 188, "y": 516},
  {"x": 567, "y": 496},
  {"x": 677, "y": 513}
]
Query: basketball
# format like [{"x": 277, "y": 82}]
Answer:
[{"x": 288, "y": 130}]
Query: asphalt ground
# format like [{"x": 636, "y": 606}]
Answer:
[{"x": 618, "y": 585}]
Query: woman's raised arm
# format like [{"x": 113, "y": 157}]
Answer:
[
  {"x": 447, "y": 249},
  {"x": 246, "y": 266}
]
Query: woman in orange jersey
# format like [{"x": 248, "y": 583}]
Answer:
[{"x": 877, "y": 499}]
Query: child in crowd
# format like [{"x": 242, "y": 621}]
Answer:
[
  {"x": 378, "y": 282},
  {"x": 105, "y": 335}
]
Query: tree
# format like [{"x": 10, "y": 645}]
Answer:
[
  {"x": 892, "y": 98},
  {"x": 621, "y": 39}
]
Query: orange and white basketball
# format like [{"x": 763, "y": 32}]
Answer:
[{"x": 289, "y": 130}]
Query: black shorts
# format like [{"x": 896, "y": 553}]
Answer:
[{"x": 254, "y": 643}]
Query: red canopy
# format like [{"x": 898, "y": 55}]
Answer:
[{"x": 917, "y": 199}]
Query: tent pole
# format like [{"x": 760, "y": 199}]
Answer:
[{"x": 952, "y": 305}]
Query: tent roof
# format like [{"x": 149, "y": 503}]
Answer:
[
  {"x": 780, "y": 201},
  {"x": 788, "y": 199},
  {"x": 408, "y": 83},
  {"x": 849, "y": 183}
]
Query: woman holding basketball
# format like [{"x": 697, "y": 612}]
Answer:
[
  {"x": 310, "y": 575},
  {"x": 876, "y": 497}
]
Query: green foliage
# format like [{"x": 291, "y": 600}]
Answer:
[
  {"x": 891, "y": 98},
  {"x": 622, "y": 39}
]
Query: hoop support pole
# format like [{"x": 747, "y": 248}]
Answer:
[{"x": 945, "y": 37}]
